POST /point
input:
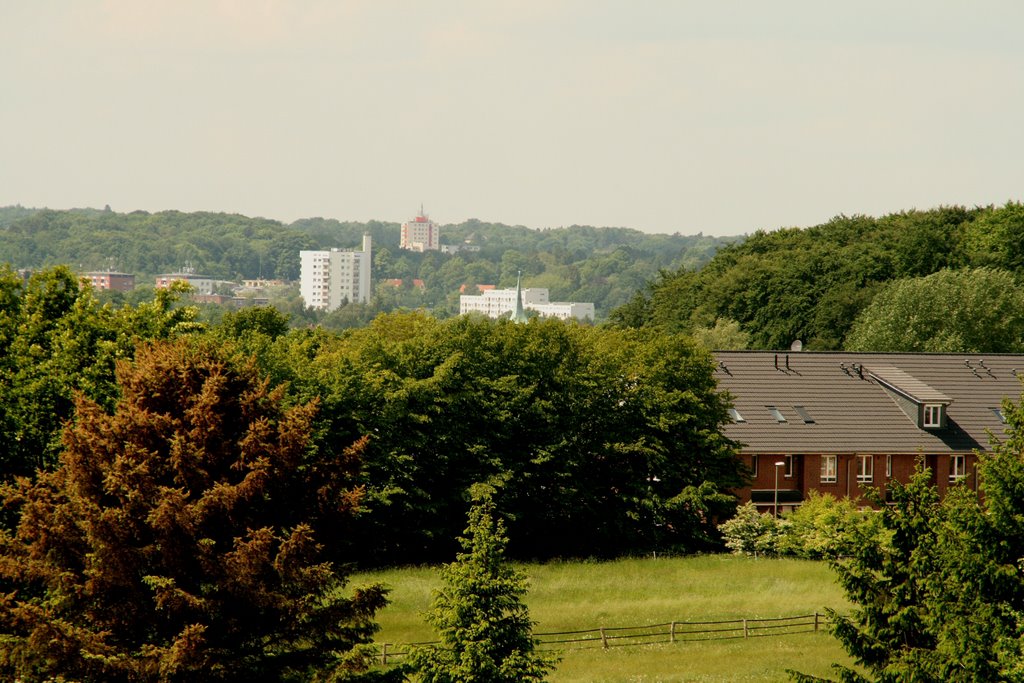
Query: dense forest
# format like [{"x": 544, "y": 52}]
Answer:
[
  {"x": 600, "y": 441},
  {"x": 947, "y": 279},
  {"x": 605, "y": 266}
]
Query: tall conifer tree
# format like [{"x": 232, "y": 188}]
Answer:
[
  {"x": 485, "y": 627},
  {"x": 175, "y": 541}
]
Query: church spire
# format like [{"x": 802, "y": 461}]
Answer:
[{"x": 519, "y": 316}]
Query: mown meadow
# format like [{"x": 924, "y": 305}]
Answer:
[{"x": 570, "y": 596}]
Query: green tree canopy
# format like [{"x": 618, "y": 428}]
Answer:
[
  {"x": 973, "y": 310},
  {"x": 605, "y": 440},
  {"x": 810, "y": 283}
]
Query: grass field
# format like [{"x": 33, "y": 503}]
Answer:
[{"x": 635, "y": 592}]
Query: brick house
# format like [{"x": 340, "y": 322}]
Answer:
[{"x": 839, "y": 423}]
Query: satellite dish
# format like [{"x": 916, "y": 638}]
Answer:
[{"x": 796, "y": 346}]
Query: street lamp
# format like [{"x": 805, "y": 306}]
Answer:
[{"x": 779, "y": 464}]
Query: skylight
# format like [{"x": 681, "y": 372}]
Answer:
[
  {"x": 804, "y": 415},
  {"x": 735, "y": 415},
  {"x": 776, "y": 413}
]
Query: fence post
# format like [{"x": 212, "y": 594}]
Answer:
[
  {"x": 745, "y": 628},
  {"x": 604, "y": 639},
  {"x": 384, "y": 655},
  {"x": 672, "y": 633},
  {"x": 815, "y": 622}
]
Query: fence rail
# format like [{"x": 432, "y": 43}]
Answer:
[{"x": 606, "y": 637}]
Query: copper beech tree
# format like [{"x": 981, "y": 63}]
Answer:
[{"x": 180, "y": 538}]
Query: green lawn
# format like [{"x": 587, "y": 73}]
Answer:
[{"x": 568, "y": 596}]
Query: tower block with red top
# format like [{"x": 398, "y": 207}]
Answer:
[{"x": 420, "y": 234}]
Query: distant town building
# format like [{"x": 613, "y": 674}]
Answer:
[
  {"x": 331, "y": 278},
  {"x": 420, "y": 234},
  {"x": 496, "y": 303},
  {"x": 456, "y": 248},
  {"x": 201, "y": 283},
  {"x": 117, "y": 282},
  {"x": 260, "y": 283}
]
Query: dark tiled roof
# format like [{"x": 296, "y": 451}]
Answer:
[{"x": 852, "y": 410}]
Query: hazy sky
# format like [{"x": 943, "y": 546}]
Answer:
[{"x": 665, "y": 116}]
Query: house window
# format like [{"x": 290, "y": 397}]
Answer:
[
  {"x": 957, "y": 467},
  {"x": 828, "y": 469},
  {"x": 933, "y": 415},
  {"x": 865, "y": 469},
  {"x": 888, "y": 467},
  {"x": 753, "y": 465},
  {"x": 789, "y": 466},
  {"x": 999, "y": 414},
  {"x": 776, "y": 413},
  {"x": 735, "y": 415}
]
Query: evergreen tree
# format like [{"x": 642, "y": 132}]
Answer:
[
  {"x": 485, "y": 628},
  {"x": 175, "y": 540},
  {"x": 888, "y": 632}
]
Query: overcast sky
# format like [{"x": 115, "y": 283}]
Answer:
[{"x": 720, "y": 116}]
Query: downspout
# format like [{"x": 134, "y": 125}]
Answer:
[{"x": 849, "y": 461}]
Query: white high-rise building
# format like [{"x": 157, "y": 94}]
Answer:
[
  {"x": 420, "y": 234},
  {"x": 327, "y": 279}
]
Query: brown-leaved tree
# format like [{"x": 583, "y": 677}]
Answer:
[{"x": 179, "y": 538}]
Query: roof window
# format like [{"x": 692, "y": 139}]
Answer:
[
  {"x": 776, "y": 413},
  {"x": 804, "y": 415}
]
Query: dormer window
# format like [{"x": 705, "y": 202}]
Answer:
[{"x": 932, "y": 415}]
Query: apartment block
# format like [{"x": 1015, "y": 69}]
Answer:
[{"x": 331, "y": 278}]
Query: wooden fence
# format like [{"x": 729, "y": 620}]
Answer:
[{"x": 669, "y": 632}]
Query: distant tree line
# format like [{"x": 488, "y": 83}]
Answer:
[
  {"x": 577, "y": 263},
  {"x": 852, "y": 283}
]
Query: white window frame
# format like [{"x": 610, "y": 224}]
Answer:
[
  {"x": 932, "y": 415},
  {"x": 888, "y": 466},
  {"x": 789, "y": 467},
  {"x": 753, "y": 465},
  {"x": 865, "y": 469},
  {"x": 829, "y": 473},
  {"x": 957, "y": 467}
]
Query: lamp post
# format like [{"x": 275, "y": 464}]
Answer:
[{"x": 780, "y": 463}]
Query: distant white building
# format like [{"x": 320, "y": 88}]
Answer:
[
  {"x": 420, "y": 234},
  {"x": 495, "y": 303},
  {"x": 566, "y": 310},
  {"x": 327, "y": 279}
]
